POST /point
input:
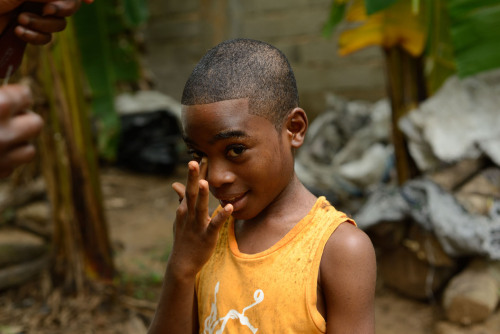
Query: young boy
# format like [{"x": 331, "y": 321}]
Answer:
[{"x": 273, "y": 258}]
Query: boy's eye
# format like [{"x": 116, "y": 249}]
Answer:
[
  {"x": 196, "y": 155},
  {"x": 234, "y": 152}
]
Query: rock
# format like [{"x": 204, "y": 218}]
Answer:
[
  {"x": 18, "y": 246},
  {"x": 478, "y": 194},
  {"x": 451, "y": 177},
  {"x": 36, "y": 218},
  {"x": 22, "y": 195},
  {"x": 20, "y": 273},
  {"x": 387, "y": 235},
  {"x": 444, "y": 327},
  {"x": 38, "y": 212},
  {"x": 472, "y": 295},
  {"x": 491, "y": 326},
  {"x": 418, "y": 267}
]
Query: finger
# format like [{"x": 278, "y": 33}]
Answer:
[
  {"x": 180, "y": 189},
  {"x": 41, "y": 24},
  {"x": 61, "y": 8},
  {"x": 202, "y": 200},
  {"x": 14, "y": 99},
  {"x": 21, "y": 129},
  {"x": 192, "y": 185},
  {"x": 32, "y": 37},
  {"x": 219, "y": 219},
  {"x": 15, "y": 157}
]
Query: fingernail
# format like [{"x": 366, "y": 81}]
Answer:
[
  {"x": 228, "y": 208},
  {"x": 203, "y": 160},
  {"x": 20, "y": 31}
]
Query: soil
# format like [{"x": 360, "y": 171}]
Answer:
[{"x": 140, "y": 212}]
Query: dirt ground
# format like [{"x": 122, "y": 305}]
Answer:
[{"x": 140, "y": 211}]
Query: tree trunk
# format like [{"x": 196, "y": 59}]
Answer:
[
  {"x": 82, "y": 249},
  {"x": 406, "y": 89}
]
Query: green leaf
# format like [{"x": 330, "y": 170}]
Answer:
[
  {"x": 111, "y": 58},
  {"x": 475, "y": 31},
  {"x": 135, "y": 12},
  {"x": 440, "y": 58},
  {"x": 336, "y": 15},
  {"x": 373, "y": 6},
  {"x": 97, "y": 62}
]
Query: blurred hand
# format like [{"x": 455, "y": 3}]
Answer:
[
  {"x": 18, "y": 127},
  {"x": 195, "y": 232},
  {"x": 38, "y": 28}
]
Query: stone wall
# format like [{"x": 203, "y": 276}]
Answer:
[{"x": 179, "y": 32}]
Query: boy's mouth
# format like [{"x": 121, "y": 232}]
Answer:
[{"x": 230, "y": 199}]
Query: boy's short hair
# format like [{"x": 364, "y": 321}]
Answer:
[{"x": 245, "y": 68}]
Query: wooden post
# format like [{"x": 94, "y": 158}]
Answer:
[{"x": 406, "y": 89}]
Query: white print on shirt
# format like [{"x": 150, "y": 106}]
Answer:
[{"x": 211, "y": 321}]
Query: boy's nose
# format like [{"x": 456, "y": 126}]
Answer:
[{"x": 218, "y": 174}]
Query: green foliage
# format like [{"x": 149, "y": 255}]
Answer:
[
  {"x": 336, "y": 15},
  {"x": 135, "y": 12},
  {"x": 373, "y": 6},
  {"x": 439, "y": 58},
  {"x": 475, "y": 31},
  {"x": 110, "y": 58}
]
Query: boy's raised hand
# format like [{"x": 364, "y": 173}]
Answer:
[{"x": 195, "y": 233}]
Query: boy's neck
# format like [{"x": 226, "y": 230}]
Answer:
[
  {"x": 294, "y": 200},
  {"x": 260, "y": 233}
]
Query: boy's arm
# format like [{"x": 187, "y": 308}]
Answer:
[
  {"x": 347, "y": 278},
  {"x": 195, "y": 237}
]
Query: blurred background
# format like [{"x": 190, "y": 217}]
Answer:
[{"x": 403, "y": 102}]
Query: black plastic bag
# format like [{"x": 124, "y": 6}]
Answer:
[{"x": 149, "y": 142}]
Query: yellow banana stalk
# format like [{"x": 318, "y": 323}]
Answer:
[{"x": 398, "y": 25}]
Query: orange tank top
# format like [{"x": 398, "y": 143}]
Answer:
[{"x": 274, "y": 291}]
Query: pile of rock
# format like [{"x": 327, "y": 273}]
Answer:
[
  {"x": 25, "y": 233},
  {"x": 437, "y": 236}
]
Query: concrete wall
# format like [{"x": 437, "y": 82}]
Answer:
[{"x": 180, "y": 31}]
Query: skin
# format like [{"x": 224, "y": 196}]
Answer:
[
  {"x": 38, "y": 29},
  {"x": 18, "y": 127},
  {"x": 248, "y": 165}
]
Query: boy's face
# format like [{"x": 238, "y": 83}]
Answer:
[{"x": 249, "y": 162}]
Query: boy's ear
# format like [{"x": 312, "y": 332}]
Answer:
[{"x": 296, "y": 126}]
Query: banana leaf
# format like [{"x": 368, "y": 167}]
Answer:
[
  {"x": 110, "y": 58},
  {"x": 97, "y": 62},
  {"x": 398, "y": 25},
  {"x": 439, "y": 56},
  {"x": 475, "y": 32},
  {"x": 135, "y": 12},
  {"x": 373, "y": 6},
  {"x": 336, "y": 15}
]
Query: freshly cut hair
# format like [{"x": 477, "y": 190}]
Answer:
[{"x": 245, "y": 68}]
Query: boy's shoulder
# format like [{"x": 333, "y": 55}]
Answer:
[
  {"x": 347, "y": 240},
  {"x": 348, "y": 263}
]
